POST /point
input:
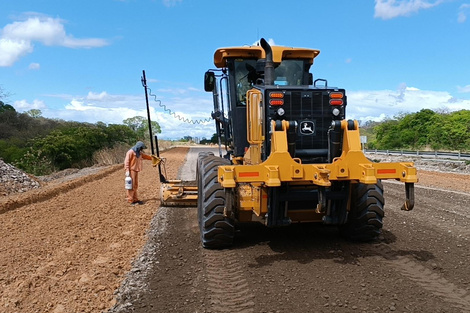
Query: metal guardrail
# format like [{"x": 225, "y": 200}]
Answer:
[{"x": 444, "y": 155}]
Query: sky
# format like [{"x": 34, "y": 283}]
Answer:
[{"x": 83, "y": 60}]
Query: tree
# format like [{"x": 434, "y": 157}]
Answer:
[
  {"x": 120, "y": 133},
  {"x": 34, "y": 113},
  {"x": 140, "y": 126},
  {"x": 205, "y": 141},
  {"x": 39, "y": 145},
  {"x": 135, "y": 123},
  {"x": 70, "y": 147},
  {"x": 186, "y": 139},
  {"x": 386, "y": 135},
  {"x": 424, "y": 129},
  {"x": 6, "y": 107},
  {"x": 214, "y": 138},
  {"x": 3, "y": 106},
  {"x": 414, "y": 128},
  {"x": 451, "y": 131},
  {"x": 3, "y": 93}
]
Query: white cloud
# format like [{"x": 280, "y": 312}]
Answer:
[
  {"x": 77, "y": 105},
  {"x": 174, "y": 91},
  {"x": 23, "y": 105},
  {"x": 97, "y": 97},
  {"x": 462, "y": 14},
  {"x": 16, "y": 39},
  {"x": 388, "y": 9},
  {"x": 34, "y": 66},
  {"x": 464, "y": 89},
  {"x": 12, "y": 50},
  {"x": 376, "y": 105}
]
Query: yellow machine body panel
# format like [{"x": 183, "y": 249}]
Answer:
[
  {"x": 253, "y": 177},
  {"x": 256, "y": 52}
]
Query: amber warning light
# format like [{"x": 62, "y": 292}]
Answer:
[
  {"x": 336, "y": 98},
  {"x": 277, "y": 98}
]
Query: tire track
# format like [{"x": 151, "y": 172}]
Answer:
[
  {"x": 228, "y": 290},
  {"x": 426, "y": 278}
]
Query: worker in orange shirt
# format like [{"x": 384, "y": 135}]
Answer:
[{"x": 133, "y": 165}]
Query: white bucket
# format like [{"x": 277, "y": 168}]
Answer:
[{"x": 128, "y": 183}]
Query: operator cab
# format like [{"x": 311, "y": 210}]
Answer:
[
  {"x": 248, "y": 72},
  {"x": 282, "y": 76}
]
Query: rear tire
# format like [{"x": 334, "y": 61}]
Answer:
[
  {"x": 217, "y": 231},
  {"x": 365, "y": 218}
]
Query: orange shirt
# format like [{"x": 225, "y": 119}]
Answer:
[{"x": 133, "y": 163}]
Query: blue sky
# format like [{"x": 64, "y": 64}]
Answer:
[{"x": 83, "y": 60}]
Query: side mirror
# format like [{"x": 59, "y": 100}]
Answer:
[{"x": 209, "y": 81}]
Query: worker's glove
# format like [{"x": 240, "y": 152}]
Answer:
[
  {"x": 156, "y": 160},
  {"x": 127, "y": 174}
]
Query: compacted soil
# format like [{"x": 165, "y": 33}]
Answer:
[{"x": 86, "y": 250}]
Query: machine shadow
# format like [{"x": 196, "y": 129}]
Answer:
[{"x": 305, "y": 243}]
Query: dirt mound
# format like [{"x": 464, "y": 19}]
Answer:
[
  {"x": 55, "y": 187},
  {"x": 72, "y": 173}
]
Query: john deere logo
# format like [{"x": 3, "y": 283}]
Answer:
[{"x": 307, "y": 127}]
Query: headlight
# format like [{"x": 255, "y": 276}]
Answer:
[
  {"x": 280, "y": 112},
  {"x": 336, "y": 112}
]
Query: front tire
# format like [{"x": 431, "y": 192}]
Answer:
[
  {"x": 365, "y": 218},
  {"x": 217, "y": 231}
]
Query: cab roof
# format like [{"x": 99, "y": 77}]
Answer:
[{"x": 256, "y": 52}]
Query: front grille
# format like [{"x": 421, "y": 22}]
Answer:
[
  {"x": 310, "y": 108},
  {"x": 312, "y": 112}
]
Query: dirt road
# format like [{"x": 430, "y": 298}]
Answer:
[{"x": 421, "y": 263}]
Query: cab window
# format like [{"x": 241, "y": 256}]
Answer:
[
  {"x": 245, "y": 71},
  {"x": 289, "y": 73}
]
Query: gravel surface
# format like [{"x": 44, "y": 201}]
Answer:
[
  {"x": 435, "y": 165},
  {"x": 13, "y": 180}
]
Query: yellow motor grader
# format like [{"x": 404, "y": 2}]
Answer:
[{"x": 291, "y": 154}]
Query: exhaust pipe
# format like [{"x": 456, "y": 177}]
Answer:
[{"x": 269, "y": 66}]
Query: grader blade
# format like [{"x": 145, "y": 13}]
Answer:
[{"x": 178, "y": 193}]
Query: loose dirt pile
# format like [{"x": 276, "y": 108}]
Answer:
[{"x": 70, "y": 252}]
